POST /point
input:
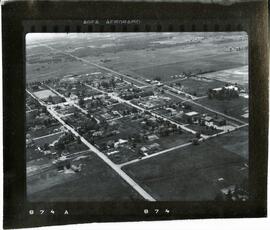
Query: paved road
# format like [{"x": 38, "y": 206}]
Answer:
[{"x": 116, "y": 168}]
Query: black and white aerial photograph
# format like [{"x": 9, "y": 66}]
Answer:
[{"x": 137, "y": 116}]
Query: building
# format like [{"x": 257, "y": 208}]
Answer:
[
  {"x": 152, "y": 137},
  {"x": 191, "y": 116},
  {"x": 208, "y": 119},
  {"x": 171, "y": 111},
  {"x": 153, "y": 147},
  {"x": 120, "y": 142},
  {"x": 219, "y": 121},
  {"x": 144, "y": 150}
]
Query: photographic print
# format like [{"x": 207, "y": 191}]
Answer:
[{"x": 137, "y": 116}]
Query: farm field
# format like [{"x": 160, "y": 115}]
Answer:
[
  {"x": 237, "y": 75},
  {"x": 227, "y": 141},
  {"x": 95, "y": 182},
  {"x": 189, "y": 174},
  {"x": 194, "y": 65},
  {"x": 237, "y": 107},
  {"x": 141, "y": 54}
]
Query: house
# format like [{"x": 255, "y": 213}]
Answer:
[
  {"x": 120, "y": 142},
  {"x": 106, "y": 116},
  {"x": 208, "y": 119},
  {"x": 144, "y": 150},
  {"x": 97, "y": 133},
  {"x": 172, "y": 111},
  {"x": 191, "y": 116},
  {"x": 73, "y": 97},
  {"x": 115, "y": 113},
  {"x": 154, "y": 146},
  {"x": 152, "y": 137},
  {"x": 220, "y": 122}
]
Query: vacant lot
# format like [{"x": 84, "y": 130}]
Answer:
[
  {"x": 190, "y": 173},
  {"x": 96, "y": 182}
]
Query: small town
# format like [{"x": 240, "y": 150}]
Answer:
[{"x": 77, "y": 122}]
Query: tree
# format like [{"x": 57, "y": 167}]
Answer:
[
  {"x": 79, "y": 141},
  {"x": 81, "y": 102},
  {"x": 59, "y": 146},
  {"x": 198, "y": 134},
  {"x": 50, "y": 99},
  {"x": 46, "y": 146},
  {"x": 179, "y": 130},
  {"x": 229, "y": 195}
]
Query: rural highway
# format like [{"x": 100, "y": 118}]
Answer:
[{"x": 116, "y": 168}]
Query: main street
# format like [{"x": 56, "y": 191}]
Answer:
[{"x": 115, "y": 167}]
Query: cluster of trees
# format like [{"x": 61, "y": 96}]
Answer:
[
  {"x": 51, "y": 99},
  {"x": 95, "y": 102},
  {"x": 89, "y": 124},
  {"x": 238, "y": 194},
  {"x": 33, "y": 103},
  {"x": 166, "y": 131},
  {"x": 35, "y": 120},
  {"x": 108, "y": 84},
  {"x": 129, "y": 111},
  {"x": 136, "y": 93},
  {"x": 223, "y": 94},
  {"x": 63, "y": 141}
]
